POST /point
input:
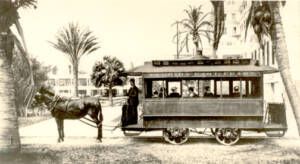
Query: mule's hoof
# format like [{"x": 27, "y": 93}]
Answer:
[{"x": 100, "y": 140}]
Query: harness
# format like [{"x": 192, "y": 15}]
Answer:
[
  {"x": 56, "y": 99},
  {"x": 55, "y": 102}
]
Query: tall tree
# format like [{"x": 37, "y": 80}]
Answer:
[
  {"x": 266, "y": 20},
  {"x": 20, "y": 75},
  {"x": 195, "y": 26},
  {"x": 219, "y": 23},
  {"x": 110, "y": 72},
  {"x": 9, "y": 16},
  {"x": 75, "y": 42}
]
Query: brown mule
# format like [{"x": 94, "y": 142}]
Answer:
[{"x": 62, "y": 109}]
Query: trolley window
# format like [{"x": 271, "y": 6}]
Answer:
[
  {"x": 229, "y": 87},
  {"x": 174, "y": 89},
  {"x": 238, "y": 87},
  {"x": 190, "y": 88}
]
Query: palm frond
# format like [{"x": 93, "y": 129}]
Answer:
[
  {"x": 75, "y": 42},
  {"x": 209, "y": 31},
  {"x": 204, "y": 16},
  {"x": 8, "y": 15},
  {"x": 206, "y": 35},
  {"x": 108, "y": 72},
  {"x": 21, "y": 49},
  {"x": 25, "y": 3},
  {"x": 187, "y": 42},
  {"x": 21, "y": 33},
  {"x": 204, "y": 23},
  {"x": 192, "y": 25}
]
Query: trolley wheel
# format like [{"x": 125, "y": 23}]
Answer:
[
  {"x": 228, "y": 136},
  {"x": 279, "y": 133},
  {"x": 176, "y": 136}
]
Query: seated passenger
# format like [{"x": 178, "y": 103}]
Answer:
[
  {"x": 155, "y": 94},
  {"x": 162, "y": 92},
  {"x": 236, "y": 91},
  {"x": 192, "y": 93},
  {"x": 207, "y": 92},
  {"x": 174, "y": 93}
]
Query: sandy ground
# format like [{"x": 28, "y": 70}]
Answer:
[{"x": 81, "y": 146}]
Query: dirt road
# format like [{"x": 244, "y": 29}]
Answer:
[{"x": 81, "y": 146}]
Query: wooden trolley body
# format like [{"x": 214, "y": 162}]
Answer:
[{"x": 246, "y": 111}]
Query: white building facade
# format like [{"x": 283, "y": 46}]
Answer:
[{"x": 61, "y": 81}]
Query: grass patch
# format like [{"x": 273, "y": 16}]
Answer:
[
  {"x": 79, "y": 154},
  {"x": 30, "y": 158}
]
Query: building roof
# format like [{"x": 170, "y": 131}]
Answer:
[{"x": 168, "y": 66}]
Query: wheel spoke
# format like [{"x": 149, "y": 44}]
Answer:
[
  {"x": 227, "y": 136},
  {"x": 176, "y": 135}
]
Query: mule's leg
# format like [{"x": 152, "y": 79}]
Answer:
[
  {"x": 100, "y": 132},
  {"x": 58, "y": 128},
  {"x": 94, "y": 116},
  {"x": 62, "y": 130}
]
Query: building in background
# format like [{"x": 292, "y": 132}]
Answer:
[{"x": 61, "y": 80}]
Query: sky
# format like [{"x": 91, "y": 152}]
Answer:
[{"x": 134, "y": 31}]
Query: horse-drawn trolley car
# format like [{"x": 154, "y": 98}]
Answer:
[{"x": 223, "y": 95}]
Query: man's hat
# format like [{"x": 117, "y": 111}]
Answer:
[{"x": 236, "y": 88}]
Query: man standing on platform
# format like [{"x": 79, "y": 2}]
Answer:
[{"x": 133, "y": 102}]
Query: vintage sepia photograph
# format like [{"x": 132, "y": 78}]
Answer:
[{"x": 141, "y": 81}]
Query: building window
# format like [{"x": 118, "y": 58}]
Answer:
[
  {"x": 82, "y": 82},
  {"x": 64, "y": 82},
  {"x": 63, "y": 91},
  {"x": 82, "y": 93}
]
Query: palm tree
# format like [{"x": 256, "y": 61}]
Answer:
[
  {"x": 194, "y": 28},
  {"x": 75, "y": 42},
  {"x": 266, "y": 21},
  {"x": 219, "y": 23},
  {"x": 110, "y": 72},
  {"x": 9, "y": 132}
]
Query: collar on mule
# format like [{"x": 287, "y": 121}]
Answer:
[{"x": 54, "y": 101}]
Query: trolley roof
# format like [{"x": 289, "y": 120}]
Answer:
[{"x": 201, "y": 68}]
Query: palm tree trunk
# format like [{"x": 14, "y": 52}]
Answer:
[
  {"x": 281, "y": 53},
  {"x": 75, "y": 78},
  {"x": 198, "y": 51},
  {"x": 218, "y": 24},
  {"x": 9, "y": 130},
  {"x": 110, "y": 95}
]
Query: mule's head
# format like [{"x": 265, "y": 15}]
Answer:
[{"x": 45, "y": 96}]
